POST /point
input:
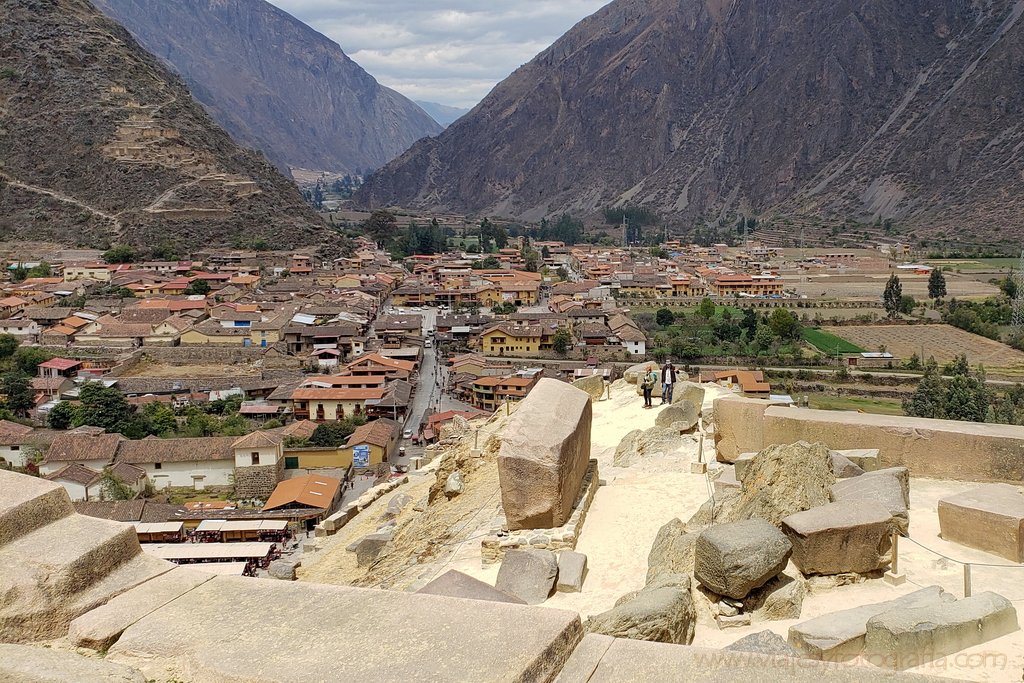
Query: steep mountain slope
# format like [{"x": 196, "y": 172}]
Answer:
[
  {"x": 276, "y": 84},
  {"x": 100, "y": 143},
  {"x": 698, "y": 108},
  {"x": 442, "y": 113}
]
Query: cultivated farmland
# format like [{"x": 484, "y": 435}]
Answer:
[{"x": 944, "y": 342}]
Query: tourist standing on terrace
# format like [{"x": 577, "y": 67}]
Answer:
[
  {"x": 649, "y": 379},
  {"x": 668, "y": 379}
]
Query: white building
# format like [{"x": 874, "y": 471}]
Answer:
[{"x": 182, "y": 463}]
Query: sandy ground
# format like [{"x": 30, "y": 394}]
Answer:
[
  {"x": 163, "y": 371},
  {"x": 869, "y": 286},
  {"x": 635, "y": 502},
  {"x": 943, "y": 342}
]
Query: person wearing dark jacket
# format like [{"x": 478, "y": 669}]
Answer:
[{"x": 668, "y": 380}]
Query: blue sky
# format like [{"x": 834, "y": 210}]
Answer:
[{"x": 447, "y": 51}]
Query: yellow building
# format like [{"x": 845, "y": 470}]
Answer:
[
  {"x": 377, "y": 439},
  {"x": 97, "y": 272},
  {"x": 503, "y": 338},
  {"x": 329, "y": 405}
]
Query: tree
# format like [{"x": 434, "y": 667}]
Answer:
[
  {"x": 785, "y": 324},
  {"x": 28, "y": 358},
  {"x": 706, "y": 309},
  {"x": 562, "y": 341},
  {"x": 531, "y": 258},
  {"x": 62, "y": 416},
  {"x": 892, "y": 296},
  {"x": 107, "y": 407},
  {"x": 159, "y": 419},
  {"x": 562, "y": 273},
  {"x": 967, "y": 398},
  {"x": 489, "y": 263},
  {"x": 20, "y": 397},
  {"x": 112, "y": 487},
  {"x": 1009, "y": 286},
  {"x": 121, "y": 253},
  {"x": 764, "y": 338},
  {"x": 381, "y": 226},
  {"x": 928, "y": 398},
  {"x": 8, "y": 345},
  {"x": 907, "y": 304},
  {"x": 335, "y": 434},
  {"x": 664, "y": 317},
  {"x": 958, "y": 367},
  {"x": 936, "y": 284},
  {"x": 198, "y": 286}
]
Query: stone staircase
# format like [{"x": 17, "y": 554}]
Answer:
[{"x": 58, "y": 564}]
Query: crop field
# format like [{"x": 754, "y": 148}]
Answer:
[
  {"x": 829, "y": 343},
  {"x": 877, "y": 406},
  {"x": 944, "y": 342}
]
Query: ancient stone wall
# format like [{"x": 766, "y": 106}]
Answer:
[
  {"x": 942, "y": 449},
  {"x": 258, "y": 481}
]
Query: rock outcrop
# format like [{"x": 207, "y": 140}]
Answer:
[
  {"x": 662, "y": 612},
  {"x": 528, "y": 575},
  {"x": 544, "y": 454}
]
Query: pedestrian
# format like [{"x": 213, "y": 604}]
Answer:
[
  {"x": 668, "y": 379},
  {"x": 649, "y": 379}
]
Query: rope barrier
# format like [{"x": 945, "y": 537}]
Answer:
[{"x": 952, "y": 559}]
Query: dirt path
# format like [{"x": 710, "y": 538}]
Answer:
[{"x": 61, "y": 198}]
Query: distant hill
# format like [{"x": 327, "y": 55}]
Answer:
[
  {"x": 276, "y": 84},
  {"x": 100, "y": 143},
  {"x": 442, "y": 113},
  {"x": 803, "y": 113}
]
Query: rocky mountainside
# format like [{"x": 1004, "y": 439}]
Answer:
[
  {"x": 276, "y": 84},
  {"x": 699, "y": 109},
  {"x": 99, "y": 142}
]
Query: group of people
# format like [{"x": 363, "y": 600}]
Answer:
[{"x": 650, "y": 380}]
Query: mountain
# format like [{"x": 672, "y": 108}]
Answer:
[
  {"x": 442, "y": 113},
  {"x": 276, "y": 84},
  {"x": 100, "y": 143},
  {"x": 701, "y": 109}
]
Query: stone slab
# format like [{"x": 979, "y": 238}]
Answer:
[
  {"x": 572, "y": 569},
  {"x": 739, "y": 427},
  {"x": 884, "y": 490},
  {"x": 764, "y": 643},
  {"x": 838, "y": 538},
  {"x": 905, "y": 638},
  {"x": 29, "y": 503},
  {"x": 29, "y": 664},
  {"x": 989, "y": 518},
  {"x": 864, "y": 458},
  {"x": 734, "y": 559},
  {"x": 544, "y": 455},
  {"x": 839, "y": 636},
  {"x": 528, "y": 574},
  {"x": 99, "y": 628},
  {"x": 740, "y": 466},
  {"x": 635, "y": 661},
  {"x": 455, "y": 584},
  {"x": 288, "y": 628}
]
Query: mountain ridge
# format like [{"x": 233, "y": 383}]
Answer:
[
  {"x": 276, "y": 84},
  {"x": 703, "y": 109}
]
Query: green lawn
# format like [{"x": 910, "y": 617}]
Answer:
[
  {"x": 877, "y": 406},
  {"x": 829, "y": 343},
  {"x": 973, "y": 264}
]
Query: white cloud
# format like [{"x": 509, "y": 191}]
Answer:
[{"x": 447, "y": 51}]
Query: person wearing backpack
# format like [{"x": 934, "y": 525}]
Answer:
[{"x": 650, "y": 378}]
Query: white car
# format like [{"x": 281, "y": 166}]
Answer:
[
  {"x": 407, "y": 434},
  {"x": 428, "y": 344}
]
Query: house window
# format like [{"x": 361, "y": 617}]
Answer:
[
  {"x": 158, "y": 466},
  {"x": 255, "y": 458},
  {"x": 15, "y": 448}
]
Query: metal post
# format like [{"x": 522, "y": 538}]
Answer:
[{"x": 967, "y": 580}]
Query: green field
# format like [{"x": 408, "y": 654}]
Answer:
[
  {"x": 967, "y": 265},
  {"x": 829, "y": 343},
  {"x": 877, "y": 406}
]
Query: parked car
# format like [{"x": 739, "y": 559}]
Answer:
[{"x": 407, "y": 434}]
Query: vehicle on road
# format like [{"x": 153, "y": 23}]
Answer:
[
  {"x": 427, "y": 344},
  {"x": 407, "y": 434}
]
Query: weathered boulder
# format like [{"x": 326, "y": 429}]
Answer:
[
  {"x": 741, "y": 464},
  {"x": 453, "y": 485},
  {"x": 593, "y": 385},
  {"x": 672, "y": 551},
  {"x": 779, "y": 599},
  {"x": 283, "y": 570},
  {"x": 369, "y": 547},
  {"x": 864, "y": 458},
  {"x": 627, "y": 449},
  {"x": 455, "y": 584},
  {"x": 839, "y": 537},
  {"x": 689, "y": 392},
  {"x": 633, "y": 373},
  {"x": 989, "y": 518},
  {"x": 528, "y": 575},
  {"x": 782, "y": 480},
  {"x": 901, "y": 474},
  {"x": 763, "y": 643},
  {"x": 883, "y": 490},
  {"x": 684, "y": 414},
  {"x": 839, "y": 636},
  {"x": 843, "y": 467},
  {"x": 572, "y": 568},
  {"x": 396, "y": 505},
  {"x": 455, "y": 428},
  {"x": 734, "y": 559},
  {"x": 904, "y": 638},
  {"x": 662, "y": 612},
  {"x": 26, "y": 664},
  {"x": 544, "y": 455},
  {"x": 726, "y": 480}
]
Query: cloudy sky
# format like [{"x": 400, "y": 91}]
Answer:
[{"x": 447, "y": 51}]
